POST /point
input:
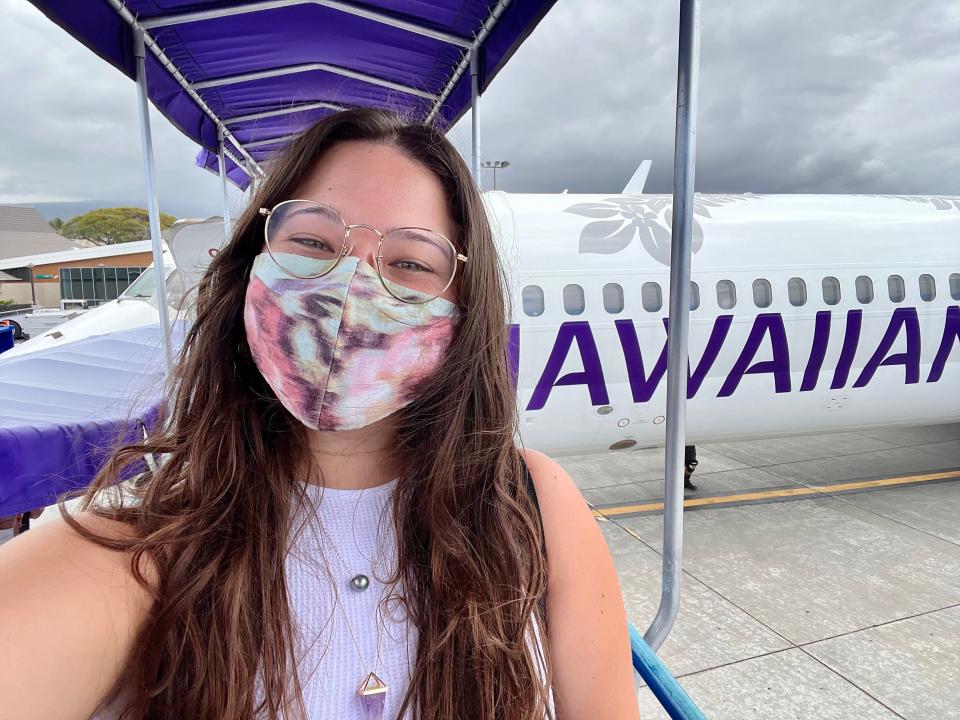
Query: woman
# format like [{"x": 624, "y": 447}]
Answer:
[{"x": 344, "y": 404}]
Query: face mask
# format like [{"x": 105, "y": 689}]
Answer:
[{"x": 339, "y": 351}]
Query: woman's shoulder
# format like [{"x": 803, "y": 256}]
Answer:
[
  {"x": 69, "y": 616},
  {"x": 569, "y": 526},
  {"x": 556, "y": 490},
  {"x": 589, "y": 644}
]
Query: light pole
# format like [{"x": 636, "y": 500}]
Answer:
[
  {"x": 494, "y": 164},
  {"x": 33, "y": 289}
]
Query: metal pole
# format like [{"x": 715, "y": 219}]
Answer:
[
  {"x": 253, "y": 180},
  {"x": 222, "y": 162},
  {"x": 685, "y": 150},
  {"x": 33, "y": 289},
  {"x": 475, "y": 112},
  {"x": 153, "y": 211}
]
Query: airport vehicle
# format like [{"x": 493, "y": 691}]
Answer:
[
  {"x": 35, "y": 320},
  {"x": 135, "y": 307}
]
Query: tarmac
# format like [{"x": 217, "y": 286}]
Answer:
[{"x": 821, "y": 573}]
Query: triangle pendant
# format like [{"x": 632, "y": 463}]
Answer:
[{"x": 373, "y": 697}]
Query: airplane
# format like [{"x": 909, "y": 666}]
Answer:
[{"x": 809, "y": 313}]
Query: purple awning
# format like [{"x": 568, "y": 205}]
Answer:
[
  {"x": 251, "y": 63},
  {"x": 62, "y": 409}
]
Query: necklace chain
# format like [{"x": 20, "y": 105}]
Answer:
[{"x": 328, "y": 540}]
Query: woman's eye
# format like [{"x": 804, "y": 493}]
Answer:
[
  {"x": 312, "y": 243},
  {"x": 411, "y": 265}
]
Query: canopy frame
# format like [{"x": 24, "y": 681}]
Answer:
[
  {"x": 140, "y": 31},
  {"x": 303, "y": 107},
  {"x": 312, "y": 67},
  {"x": 495, "y": 12},
  {"x": 198, "y": 15},
  {"x": 153, "y": 207}
]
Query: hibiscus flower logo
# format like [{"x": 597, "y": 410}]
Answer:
[
  {"x": 623, "y": 218},
  {"x": 941, "y": 202}
]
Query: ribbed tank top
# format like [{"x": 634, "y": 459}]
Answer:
[{"x": 359, "y": 525}]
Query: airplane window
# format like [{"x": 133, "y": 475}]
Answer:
[
  {"x": 726, "y": 294},
  {"x": 695, "y": 295},
  {"x": 896, "y": 288},
  {"x": 651, "y": 297},
  {"x": 612, "y": 298},
  {"x": 864, "y": 289},
  {"x": 831, "y": 290},
  {"x": 797, "y": 292},
  {"x": 928, "y": 288},
  {"x": 533, "y": 301},
  {"x": 573, "y": 302},
  {"x": 762, "y": 293},
  {"x": 955, "y": 286}
]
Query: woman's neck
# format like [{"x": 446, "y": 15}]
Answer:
[{"x": 354, "y": 459}]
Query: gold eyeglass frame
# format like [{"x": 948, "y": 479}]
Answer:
[{"x": 266, "y": 213}]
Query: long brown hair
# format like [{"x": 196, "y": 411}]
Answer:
[{"x": 214, "y": 516}]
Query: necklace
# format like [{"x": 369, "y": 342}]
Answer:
[{"x": 372, "y": 690}]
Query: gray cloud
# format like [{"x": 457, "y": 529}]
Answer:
[
  {"x": 69, "y": 130},
  {"x": 811, "y": 97},
  {"x": 806, "y": 97}
]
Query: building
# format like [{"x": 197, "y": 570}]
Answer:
[
  {"x": 96, "y": 274},
  {"x": 24, "y": 232},
  {"x": 39, "y": 266}
]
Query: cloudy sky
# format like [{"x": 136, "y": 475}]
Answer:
[{"x": 820, "y": 96}]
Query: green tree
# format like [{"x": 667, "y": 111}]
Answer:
[
  {"x": 109, "y": 226},
  {"x": 57, "y": 224}
]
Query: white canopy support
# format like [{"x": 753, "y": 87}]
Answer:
[
  {"x": 302, "y": 107},
  {"x": 312, "y": 67},
  {"x": 253, "y": 181},
  {"x": 270, "y": 141},
  {"x": 143, "y": 36},
  {"x": 495, "y": 12},
  {"x": 684, "y": 159},
  {"x": 475, "y": 115},
  {"x": 222, "y": 162},
  {"x": 153, "y": 209},
  {"x": 346, "y": 7}
]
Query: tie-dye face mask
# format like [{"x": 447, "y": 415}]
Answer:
[{"x": 339, "y": 351}]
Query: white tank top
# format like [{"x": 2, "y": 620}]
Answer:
[{"x": 359, "y": 524}]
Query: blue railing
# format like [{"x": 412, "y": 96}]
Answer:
[{"x": 664, "y": 686}]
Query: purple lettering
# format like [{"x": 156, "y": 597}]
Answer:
[
  {"x": 591, "y": 376},
  {"x": 763, "y": 324},
  {"x": 717, "y": 335},
  {"x": 513, "y": 352},
  {"x": 951, "y": 332},
  {"x": 902, "y": 318},
  {"x": 851, "y": 338},
  {"x": 641, "y": 387},
  {"x": 818, "y": 350}
]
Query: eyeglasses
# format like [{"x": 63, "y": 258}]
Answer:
[{"x": 415, "y": 265}]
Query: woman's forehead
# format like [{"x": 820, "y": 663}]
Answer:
[{"x": 377, "y": 184}]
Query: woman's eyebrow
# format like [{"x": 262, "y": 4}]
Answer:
[
  {"x": 310, "y": 210},
  {"x": 338, "y": 211}
]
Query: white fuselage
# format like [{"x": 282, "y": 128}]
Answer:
[{"x": 817, "y": 339}]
